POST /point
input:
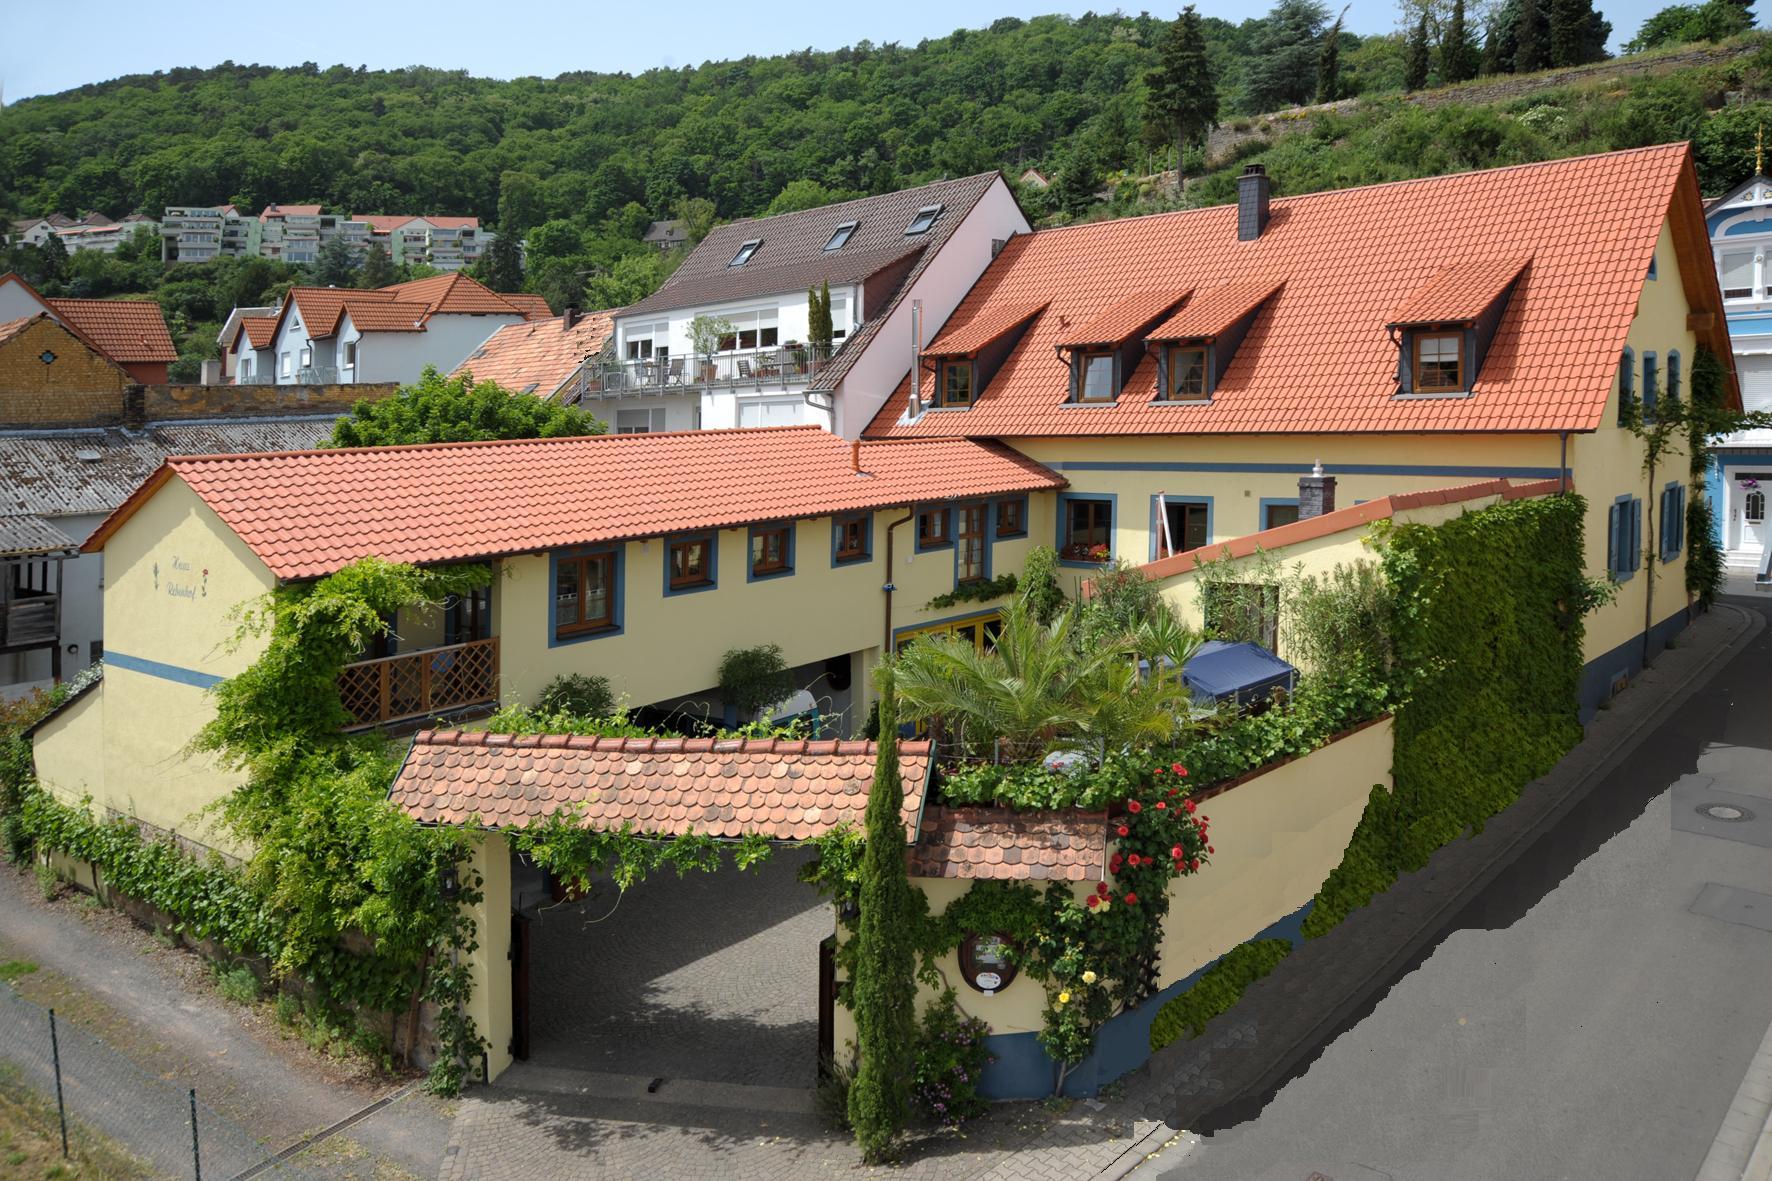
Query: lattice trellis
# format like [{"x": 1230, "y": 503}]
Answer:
[{"x": 419, "y": 684}]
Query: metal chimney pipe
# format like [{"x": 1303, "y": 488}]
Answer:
[{"x": 916, "y": 402}]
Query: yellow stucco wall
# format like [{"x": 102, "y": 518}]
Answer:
[
  {"x": 173, "y": 576},
  {"x": 670, "y": 645},
  {"x": 490, "y": 1001},
  {"x": 73, "y": 743}
]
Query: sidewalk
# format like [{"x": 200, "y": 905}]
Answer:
[{"x": 1245, "y": 1054}]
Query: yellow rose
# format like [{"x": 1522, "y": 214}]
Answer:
[
  {"x": 1064, "y": 998},
  {"x": 1089, "y": 978}
]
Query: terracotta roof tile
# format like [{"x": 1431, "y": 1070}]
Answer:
[
  {"x": 785, "y": 791},
  {"x": 260, "y": 330},
  {"x": 1317, "y": 357},
  {"x": 125, "y": 330},
  {"x": 998, "y": 843},
  {"x": 964, "y": 340},
  {"x": 539, "y": 356},
  {"x": 1210, "y": 313},
  {"x": 308, "y": 513},
  {"x": 1124, "y": 318},
  {"x": 385, "y": 315},
  {"x": 1461, "y": 292},
  {"x": 533, "y": 306},
  {"x": 454, "y": 293},
  {"x": 12, "y": 328}
]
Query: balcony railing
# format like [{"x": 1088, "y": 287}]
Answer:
[
  {"x": 30, "y": 619},
  {"x": 317, "y": 375},
  {"x": 787, "y": 365},
  {"x": 419, "y": 684}
]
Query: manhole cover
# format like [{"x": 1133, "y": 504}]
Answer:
[{"x": 1727, "y": 812}]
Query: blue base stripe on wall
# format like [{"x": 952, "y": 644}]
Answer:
[{"x": 166, "y": 672}]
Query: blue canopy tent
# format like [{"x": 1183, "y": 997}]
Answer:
[{"x": 1243, "y": 673}]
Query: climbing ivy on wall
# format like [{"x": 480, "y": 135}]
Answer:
[{"x": 1488, "y": 632}]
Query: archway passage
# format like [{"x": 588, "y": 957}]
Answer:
[
  {"x": 708, "y": 976},
  {"x": 711, "y": 976}
]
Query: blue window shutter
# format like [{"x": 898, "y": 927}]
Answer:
[
  {"x": 1651, "y": 385},
  {"x": 1612, "y": 546},
  {"x": 1673, "y": 377},
  {"x": 1636, "y": 534}
]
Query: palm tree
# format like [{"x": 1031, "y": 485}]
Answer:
[{"x": 1037, "y": 688}]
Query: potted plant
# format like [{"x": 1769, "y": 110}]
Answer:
[{"x": 705, "y": 335}]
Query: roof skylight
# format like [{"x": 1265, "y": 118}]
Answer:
[
  {"x": 745, "y": 252},
  {"x": 925, "y": 218},
  {"x": 841, "y": 236}
]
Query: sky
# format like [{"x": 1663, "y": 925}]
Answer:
[{"x": 116, "y": 38}]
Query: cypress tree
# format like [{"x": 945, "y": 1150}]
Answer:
[
  {"x": 1568, "y": 31},
  {"x": 885, "y": 985},
  {"x": 1329, "y": 63},
  {"x": 1458, "y": 53},
  {"x": 378, "y": 269},
  {"x": 1530, "y": 36},
  {"x": 825, "y": 328},
  {"x": 1182, "y": 93},
  {"x": 1415, "y": 61}
]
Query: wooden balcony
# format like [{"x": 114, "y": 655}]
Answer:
[{"x": 422, "y": 684}]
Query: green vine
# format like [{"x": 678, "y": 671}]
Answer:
[
  {"x": 1217, "y": 989},
  {"x": 975, "y": 592}
]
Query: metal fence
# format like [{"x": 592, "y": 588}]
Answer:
[{"x": 103, "y": 1094}]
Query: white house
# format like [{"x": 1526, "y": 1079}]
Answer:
[
  {"x": 324, "y": 335},
  {"x": 884, "y": 258},
  {"x": 1740, "y": 479}
]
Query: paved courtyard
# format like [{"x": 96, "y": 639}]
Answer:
[{"x": 710, "y": 977}]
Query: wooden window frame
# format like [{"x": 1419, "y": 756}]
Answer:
[
  {"x": 943, "y": 398},
  {"x": 582, "y": 563},
  {"x": 978, "y": 513},
  {"x": 1420, "y": 386},
  {"x": 863, "y": 551},
  {"x": 1019, "y": 527},
  {"x": 675, "y": 582},
  {"x": 1171, "y": 369},
  {"x": 1081, "y": 359},
  {"x": 786, "y": 564},
  {"x": 924, "y": 540},
  {"x": 1098, "y": 506}
]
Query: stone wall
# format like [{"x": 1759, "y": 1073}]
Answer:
[
  {"x": 1222, "y": 144},
  {"x": 171, "y": 402},
  {"x": 49, "y": 377},
  {"x": 38, "y": 395}
]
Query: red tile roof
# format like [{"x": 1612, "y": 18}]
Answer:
[
  {"x": 308, "y": 513},
  {"x": 385, "y": 315},
  {"x": 1318, "y": 357},
  {"x": 276, "y": 210},
  {"x": 1125, "y": 317},
  {"x": 454, "y": 294},
  {"x": 12, "y": 328},
  {"x": 260, "y": 330},
  {"x": 533, "y": 307},
  {"x": 539, "y": 356},
  {"x": 1356, "y": 516},
  {"x": 125, "y": 330},
  {"x": 671, "y": 786},
  {"x": 1209, "y": 314},
  {"x": 965, "y": 340},
  {"x": 1001, "y": 844},
  {"x": 322, "y": 308},
  {"x": 1461, "y": 292}
]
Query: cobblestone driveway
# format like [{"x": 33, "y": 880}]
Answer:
[{"x": 712, "y": 976}]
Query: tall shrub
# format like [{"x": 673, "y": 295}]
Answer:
[{"x": 885, "y": 986}]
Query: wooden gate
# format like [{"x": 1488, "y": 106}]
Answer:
[{"x": 519, "y": 986}]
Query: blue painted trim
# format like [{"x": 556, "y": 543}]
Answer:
[
  {"x": 1023, "y": 500},
  {"x": 898, "y": 632},
  {"x": 1262, "y": 507},
  {"x": 1626, "y": 660},
  {"x": 1024, "y": 1071},
  {"x": 1156, "y": 526},
  {"x": 1304, "y": 469},
  {"x": 947, "y": 531},
  {"x": 166, "y": 672},
  {"x": 1064, "y": 499},
  {"x": 618, "y": 583},
  {"x": 867, "y": 540},
  {"x": 1618, "y": 547},
  {"x": 750, "y": 572},
  {"x": 713, "y": 582}
]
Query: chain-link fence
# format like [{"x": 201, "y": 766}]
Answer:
[{"x": 102, "y": 1093}]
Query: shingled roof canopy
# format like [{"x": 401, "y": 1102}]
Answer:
[
  {"x": 1317, "y": 357},
  {"x": 306, "y": 514},
  {"x": 785, "y": 790}
]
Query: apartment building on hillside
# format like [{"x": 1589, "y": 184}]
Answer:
[{"x": 295, "y": 234}]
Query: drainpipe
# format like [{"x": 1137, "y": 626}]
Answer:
[{"x": 886, "y": 646}]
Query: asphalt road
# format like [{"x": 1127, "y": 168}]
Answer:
[{"x": 1579, "y": 1019}]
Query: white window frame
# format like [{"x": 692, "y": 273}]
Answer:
[
  {"x": 655, "y": 420},
  {"x": 286, "y": 363}
]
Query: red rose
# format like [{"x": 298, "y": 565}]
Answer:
[
  {"x": 1161, "y": 804},
  {"x": 1157, "y": 771},
  {"x": 1178, "y": 768},
  {"x": 1176, "y": 852},
  {"x": 1123, "y": 831},
  {"x": 1194, "y": 864},
  {"x": 1114, "y": 865},
  {"x": 1131, "y": 899},
  {"x": 1132, "y": 860},
  {"x": 1134, "y": 807},
  {"x": 1101, "y": 887},
  {"x": 1189, "y": 805},
  {"x": 1210, "y": 849},
  {"x": 1094, "y": 901},
  {"x": 1205, "y": 820}
]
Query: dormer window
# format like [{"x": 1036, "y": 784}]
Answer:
[
  {"x": 1094, "y": 377},
  {"x": 955, "y": 387},
  {"x": 925, "y": 218},
  {"x": 1439, "y": 362},
  {"x": 745, "y": 252},
  {"x": 1185, "y": 374},
  {"x": 841, "y": 236}
]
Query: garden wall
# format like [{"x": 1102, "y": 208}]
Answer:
[{"x": 1278, "y": 832}]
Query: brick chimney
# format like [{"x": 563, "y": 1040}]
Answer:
[
  {"x": 1316, "y": 493},
  {"x": 1252, "y": 196},
  {"x": 135, "y": 407},
  {"x": 568, "y": 319}
]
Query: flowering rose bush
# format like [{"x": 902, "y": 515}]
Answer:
[{"x": 951, "y": 1058}]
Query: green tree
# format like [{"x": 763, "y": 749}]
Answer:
[
  {"x": 1329, "y": 63},
  {"x": 1577, "y": 33},
  {"x": 438, "y": 409},
  {"x": 1181, "y": 94},
  {"x": 1416, "y": 66},
  {"x": 819, "y": 329},
  {"x": 885, "y": 984},
  {"x": 1458, "y": 49},
  {"x": 335, "y": 265},
  {"x": 520, "y": 204},
  {"x": 1678, "y": 24},
  {"x": 378, "y": 268},
  {"x": 1531, "y": 38},
  {"x": 1283, "y": 71},
  {"x": 804, "y": 193},
  {"x": 501, "y": 266},
  {"x": 697, "y": 215}
]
